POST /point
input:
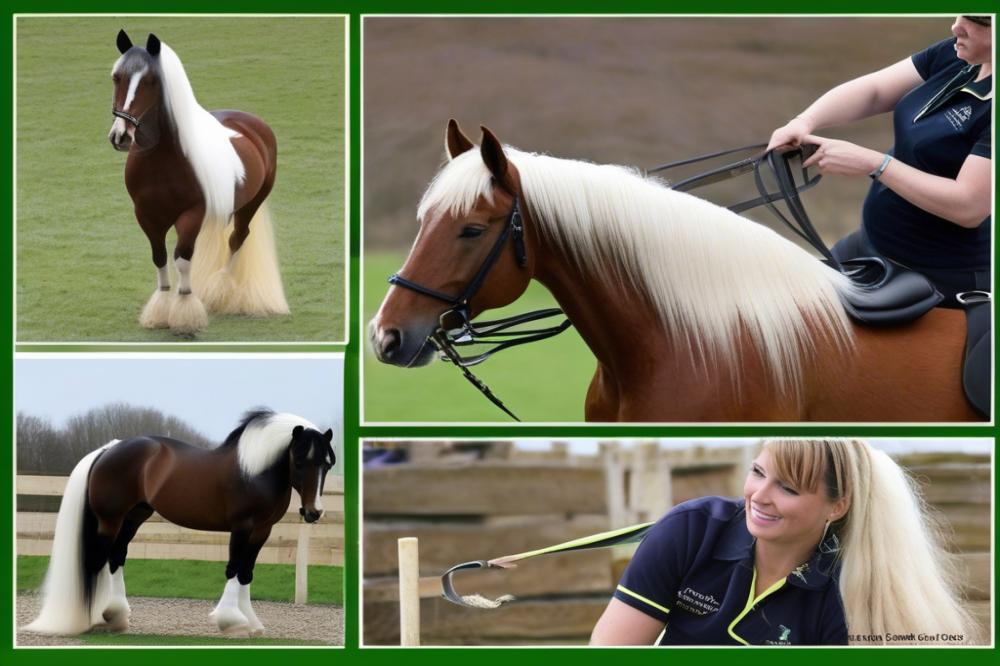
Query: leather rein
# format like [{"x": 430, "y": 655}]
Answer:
[{"x": 455, "y": 327}]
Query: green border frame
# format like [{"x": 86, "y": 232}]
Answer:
[{"x": 352, "y": 430}]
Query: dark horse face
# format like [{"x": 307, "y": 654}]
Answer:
[
  {"x": 447, "y": 255},
  {"x": 312, "y": 457},
  {"x": 137, "y": 88}
]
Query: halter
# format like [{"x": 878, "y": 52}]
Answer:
[
  {"x": 126, "y": 116},
  {"x": 455, "y": 327}
]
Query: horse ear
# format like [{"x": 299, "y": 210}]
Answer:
[
  {"x": 495, "y": 159},
  {"x": 153, "y": 45},
  {"x": 455, "y": 140},
  {"x": 297, "y": 432},
  {"x": 124, "y": 43},
  {"x": 328, "y": 435}
]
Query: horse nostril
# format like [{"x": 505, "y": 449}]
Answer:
[{"x": 390, "y": 343}]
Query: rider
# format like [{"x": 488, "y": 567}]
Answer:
[
  {"x": 929, "y": 204},
  {"x": 828, "y": 546}
]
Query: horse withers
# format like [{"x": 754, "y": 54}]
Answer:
[
  {"x": 195, "y": 170},
  {"x": 242, "y": 487},
  {"x": 693, "y": 313}
]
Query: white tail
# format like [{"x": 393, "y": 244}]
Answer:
[
  {"x": 64, "y": 608},
  {"x": 249, "y": 283}
]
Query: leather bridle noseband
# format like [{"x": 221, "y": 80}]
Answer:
[
  {"x": 125, "y": 116},
  {"x": 455, "y": 326}
]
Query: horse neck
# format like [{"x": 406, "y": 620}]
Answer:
[
  {"x": 162, "y": 140},
  {"x": 615, "y": 322}
]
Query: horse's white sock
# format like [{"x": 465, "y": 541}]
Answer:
[
  {"x": 227, "y": 614},
  {"x": 256, "y": 626}
]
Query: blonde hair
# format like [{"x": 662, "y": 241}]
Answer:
[{"x": 896, "y": 578}]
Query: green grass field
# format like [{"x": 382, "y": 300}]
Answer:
[
  {"x": 83, "y": 265},
  {"x": 543, "y": 381},
  {"x": 188, "y": 579}
]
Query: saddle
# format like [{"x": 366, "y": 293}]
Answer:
[{"x": 888, "y": 294}]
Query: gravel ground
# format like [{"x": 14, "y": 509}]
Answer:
[{"x": 189, "y": 617}]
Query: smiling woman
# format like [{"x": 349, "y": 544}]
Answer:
[{"x": 830, "y": 545}]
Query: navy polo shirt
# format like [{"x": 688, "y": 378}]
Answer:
[
  {"x": 937, "y": 143},
  {"x": 695, "y": 572}
]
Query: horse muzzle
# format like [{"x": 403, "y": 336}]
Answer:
[
  {"x": 121, "y": 135},
  {"x": 310, "y": 515},
  {"x": 403, "y": 347}
]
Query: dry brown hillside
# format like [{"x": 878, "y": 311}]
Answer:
[{"x": 635, "y": 91}]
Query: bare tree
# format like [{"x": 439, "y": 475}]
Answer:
[{"x": 43, "y": 449}]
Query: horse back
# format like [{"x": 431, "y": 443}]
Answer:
[
  {"x": 910, "y": 372},
  {"x": 184, "y": 483}
]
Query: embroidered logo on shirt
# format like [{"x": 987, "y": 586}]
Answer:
[
  {"x": 697, "y": 603},
  {"x": 958, "y": 116},
  {"x": 783, "y": 639}
]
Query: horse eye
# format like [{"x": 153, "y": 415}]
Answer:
[{"x": 471, "y": 232}]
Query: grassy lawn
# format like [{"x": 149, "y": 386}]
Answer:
[
  {"x": 83, "y": 265},
  {"x": 544, "y": 381},
  {"x": 190, "y": 579}
]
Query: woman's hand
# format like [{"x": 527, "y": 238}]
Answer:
[
  {"x": 834, "y": 157},
  {"x": 792, "y": 134}
]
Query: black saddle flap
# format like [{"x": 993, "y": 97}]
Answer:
[{"x": 897, "y": 296}]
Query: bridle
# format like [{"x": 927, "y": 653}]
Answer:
[
  {"x": 128, "y": 117},
  {"x": 455, "y": 327}
]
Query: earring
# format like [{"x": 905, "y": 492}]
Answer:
[{"x": 831, "y": 545}]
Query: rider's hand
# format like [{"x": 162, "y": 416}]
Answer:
[
  {"x": 792, "y": 134},
  {"x": 834, "y": 157}
]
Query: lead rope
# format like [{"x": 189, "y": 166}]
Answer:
[{"x": 621, "y": 536}]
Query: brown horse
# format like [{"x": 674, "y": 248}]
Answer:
[
  {"x": 242, "y": 487},
  {"x": 694, "y": 313},
  {"x": 194, "y": 171}
]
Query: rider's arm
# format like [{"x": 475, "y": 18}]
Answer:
[
  {"x": 620, "y": 624},
  {"x": 858, "y": 98}
]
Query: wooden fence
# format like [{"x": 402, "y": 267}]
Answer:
[
  {"x": 467, "y": 505},
  {"x": 291, "y": 542}
]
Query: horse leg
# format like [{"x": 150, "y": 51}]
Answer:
[
  {"x": 227, "y": 614},
  {"x": 250, "y": 282},
  {"x": 117, "y": 612},
  {"x": 157, "y": 309},
  {"x": 245, "y": 577},
  {"x": 187, "y": 313},
  {"x": 96, "y": 552}
]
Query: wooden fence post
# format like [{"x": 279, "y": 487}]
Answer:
[
  {"x": 302, "y": 565},
  {"x": 409, "y": 591}
]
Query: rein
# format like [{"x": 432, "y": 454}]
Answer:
[{"x": 456, "y": 329}]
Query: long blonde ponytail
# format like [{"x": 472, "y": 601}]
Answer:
[{"x": 897, "y": 582}]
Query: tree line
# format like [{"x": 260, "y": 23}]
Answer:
[{"x": 44, "y": 449}]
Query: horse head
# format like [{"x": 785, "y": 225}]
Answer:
[
  {"x": 137, "y": 89},
  {"x": 471, "y": 253},
  {"x": 311, "y": 458}
]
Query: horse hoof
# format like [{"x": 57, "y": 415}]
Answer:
[
  {"x": 116, "y": 615},
  {"x": 156, "y": 312},
  {"x": 256, "y": 631},
  {"x": 230, "y": 621},
  {"x": 187, "y": 315}
]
